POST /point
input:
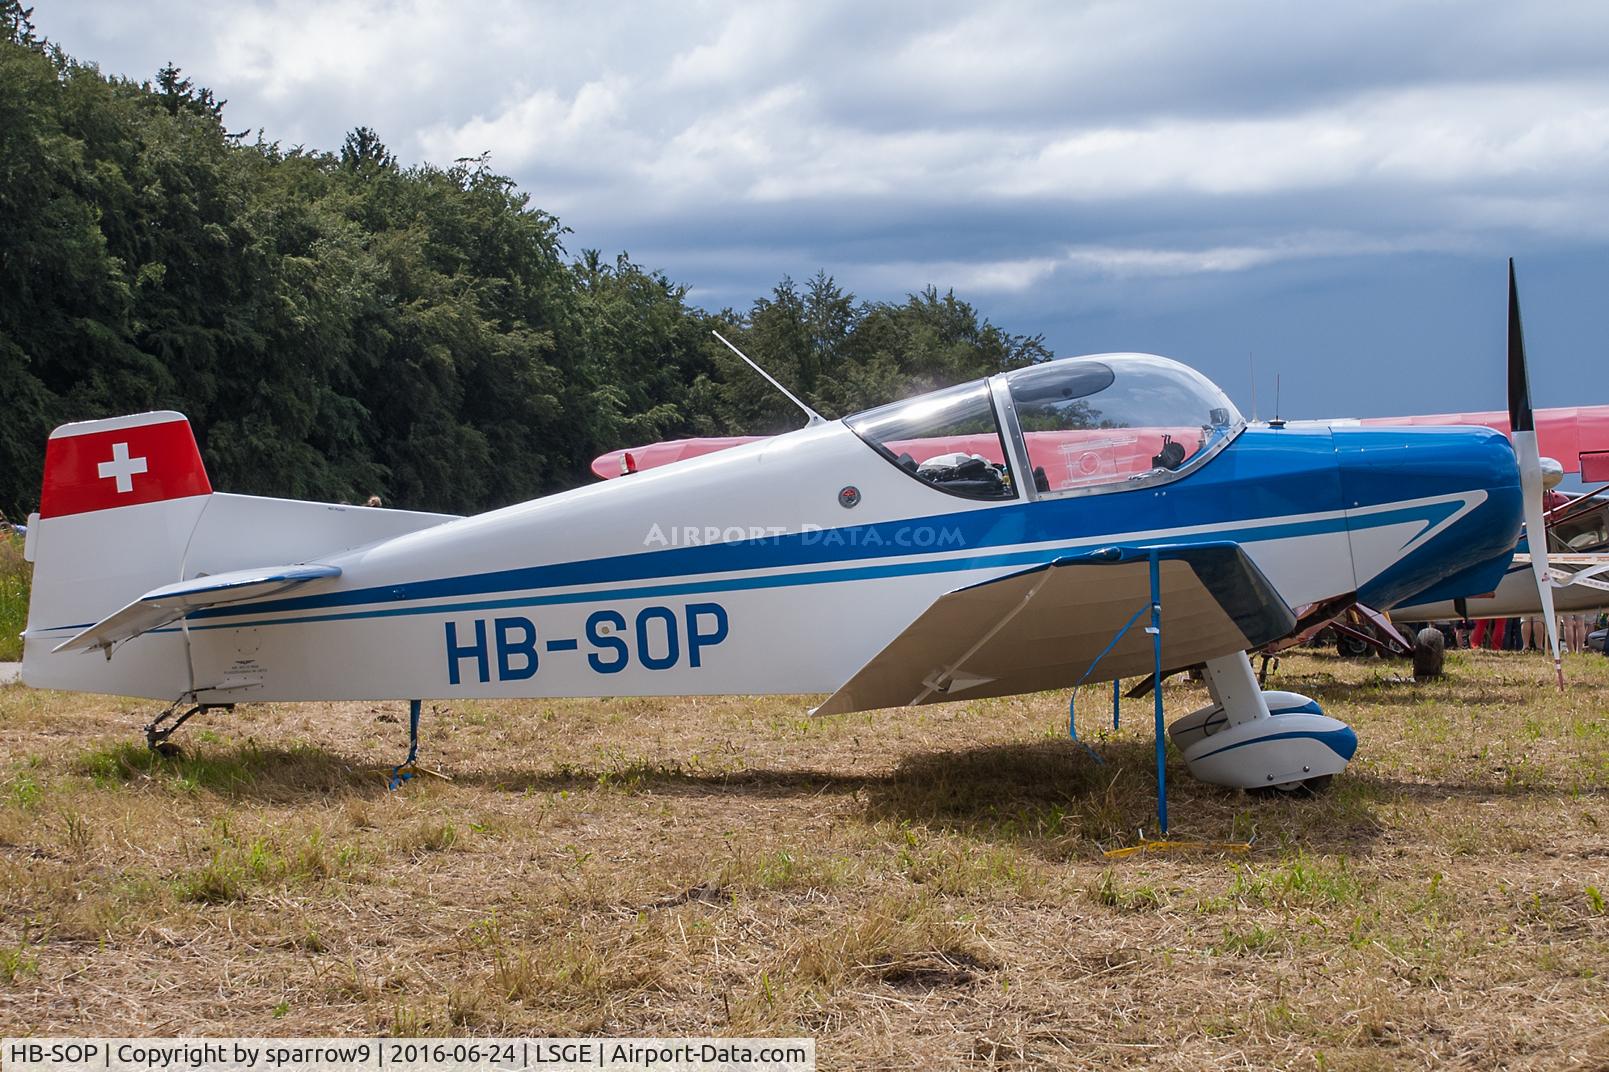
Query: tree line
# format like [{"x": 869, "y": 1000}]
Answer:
[{"x": 336, "y": 324}]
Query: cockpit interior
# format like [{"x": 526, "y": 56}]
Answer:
[{"x": 1076, "y": 425}]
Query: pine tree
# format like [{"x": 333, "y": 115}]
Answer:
[
  {"x": 178, "y": 93},
  {"x": 364, "y": 151},
  {"x": 16, "y": 25}
]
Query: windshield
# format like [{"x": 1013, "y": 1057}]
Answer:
[
  {"x": 1117, "y": 419},
  {"x": 949, "y": 439}
]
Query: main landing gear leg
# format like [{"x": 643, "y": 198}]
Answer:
[
  {"x": 405, "y": 771},
  {"x": 1253, "y": 739}
]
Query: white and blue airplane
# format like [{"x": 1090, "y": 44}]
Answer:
[{"x": 987, "y": 539}]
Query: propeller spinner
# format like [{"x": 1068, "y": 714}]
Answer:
[{"x": 1522, "y": 431}]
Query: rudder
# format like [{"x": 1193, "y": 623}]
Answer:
[{"x": 120, "y": 500}]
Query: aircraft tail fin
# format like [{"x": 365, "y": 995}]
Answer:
[
  {"x": 121, "y": 461},
  {"x": 120, "y": 500},
  {"x": 130, "y": 537}
]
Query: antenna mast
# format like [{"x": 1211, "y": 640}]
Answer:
[{"x": 815, "y": 418}]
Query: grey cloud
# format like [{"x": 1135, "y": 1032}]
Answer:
[{"x": 1074, "y": 167}]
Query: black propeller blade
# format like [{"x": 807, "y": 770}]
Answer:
[
  {"x": 1522, "y": 432},
  {"x": 1521, "y": 418}
]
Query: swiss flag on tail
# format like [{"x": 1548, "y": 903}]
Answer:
[{"x": 121, "y": 461}]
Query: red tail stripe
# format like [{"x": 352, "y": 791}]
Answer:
[{"x": 121, "y": 467}]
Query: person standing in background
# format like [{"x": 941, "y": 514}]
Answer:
[
  {"x": 1488, "y": 628},
  {"x": 1575, "y": 626}
]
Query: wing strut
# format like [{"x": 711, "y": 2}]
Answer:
[
  {"x": 1154, "y": 570},
  {"x": 1028, "y": 631},
  {"x": 1156, "y": 658}
]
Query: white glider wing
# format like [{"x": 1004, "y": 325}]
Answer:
[
  {"x": 1042, "y": 628},
  {"x": 165, "y": 605}
]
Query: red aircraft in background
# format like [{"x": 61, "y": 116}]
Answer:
[{"x": 1577, "y": 437}]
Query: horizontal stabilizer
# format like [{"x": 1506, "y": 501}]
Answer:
[
  {"x": 165, "y": 605},
  {"x": 1042, "y": 628}
]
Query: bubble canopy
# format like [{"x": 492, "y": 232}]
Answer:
[{"x": 1081, "y": 424}]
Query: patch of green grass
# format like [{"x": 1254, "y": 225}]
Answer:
[
  {"x": 77, "y": 831},
  {"x": 1300, "y": 880},
  {"x": 783, "y": 869},
  {"x": 219, "y": 881},
  {"x": 967, "y": 869},
  {"x": 1141, "y": 897},
  {"x": 15, "y": 963},
  {"x": 116, "y": 764},
  {"x": 1254, "y": 941},
  {"x": 16, "y": 576},
  {"x": 431, "y": 835},
  {"x": 406, "y": 1022},
  {"x": 228, "y": 771},
  {"x": 24, "y": 790},
  {"x": 236, "y": 866}
]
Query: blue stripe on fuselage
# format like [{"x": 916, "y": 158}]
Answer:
[
  {"x": 1257, "y": 481},
  {"x": 733, "y": 584},
  {"x": 1245, "y": 494}
]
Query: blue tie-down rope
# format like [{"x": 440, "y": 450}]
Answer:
[
  {"x": 1072, "y": 701},
  {"x": 1155, "y": 629},
  {"x": 405, "y": 771}
]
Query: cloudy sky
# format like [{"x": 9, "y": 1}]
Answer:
[{"x": 1330, "y": 189}]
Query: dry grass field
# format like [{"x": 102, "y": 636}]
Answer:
[{"x": 915, "y": 889}]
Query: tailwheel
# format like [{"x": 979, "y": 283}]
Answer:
[{"x": 160, "y": 728}]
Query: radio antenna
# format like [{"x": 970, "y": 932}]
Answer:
[{"x": 815, "y": 418}]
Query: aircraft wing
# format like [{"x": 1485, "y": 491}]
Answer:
[
  {"x": 1041, "y": 628},
  {"x": 1589, "y": 569},
  {"x": 165, "y": 605}
]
